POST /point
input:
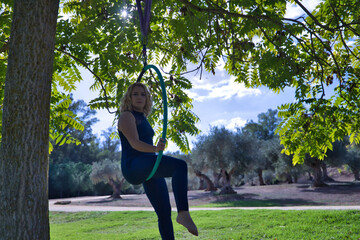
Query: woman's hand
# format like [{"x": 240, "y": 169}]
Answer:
[{"x": 161, "y": 145}]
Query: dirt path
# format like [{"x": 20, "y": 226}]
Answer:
[
  {"x": 78, "y": 208},
  {"x": 339, "y": 195}
]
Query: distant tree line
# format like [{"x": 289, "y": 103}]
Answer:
[
  {"x": 77, "y": 170},
  {"x": 219, "y": 160},
  {"x": 253, "y": 154}
]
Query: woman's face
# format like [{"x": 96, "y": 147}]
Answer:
[{"x": 138, "y": 98}]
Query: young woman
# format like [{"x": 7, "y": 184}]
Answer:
[{"x": 138, "y": 159}]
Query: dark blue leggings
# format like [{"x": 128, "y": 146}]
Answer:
[{"x": 137, "y": 170}]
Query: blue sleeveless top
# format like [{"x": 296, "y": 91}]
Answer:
[{"x": 146, "y": 134}]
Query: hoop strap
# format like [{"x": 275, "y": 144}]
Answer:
[
  {"x": 144, "y": 17},
  {"x": 164, "y": 98}
]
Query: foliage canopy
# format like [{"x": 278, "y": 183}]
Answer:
[{"x": 316, "y": 53}]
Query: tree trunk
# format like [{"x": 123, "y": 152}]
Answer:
[
  {"x": 116, "y": 186},
  {"x": 289, "y": 178},
  {"x": 295, "y": 178},
  {"x": 24, "y": 149},
  {"x": 260, "y": 175},
  {"x": 325, "y": 176},
  {"x": 309, "y": 176},
  {"x": 209, "y": 183},
  {"x": 226, "y": 188},
  {"x": 217, "y": 177},
  {"x": 355, "y": 171},
  {"x": 317, "y": 181},
  {"x": 202, "y": 185}
]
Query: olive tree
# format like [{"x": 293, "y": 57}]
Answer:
[{"x": 108, "y": 171}]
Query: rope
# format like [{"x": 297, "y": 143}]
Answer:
[
  {"x": 144, "y": 18},
  {"x": 164, "y": 98},
  {"x": 145, "y": 27}
]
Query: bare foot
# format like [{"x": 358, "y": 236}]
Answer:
[{"x": 184, "y": 219}]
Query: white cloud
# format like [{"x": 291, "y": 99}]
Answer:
[
  {"x": 218, "y": 86},
  {"x": 351, "y": 43},
  {"x": 230, "y": 124},
  {"x": 294, "y": 11},
  {"x": 220, "y": 89}
]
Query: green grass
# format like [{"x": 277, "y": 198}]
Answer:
[
  {"x": 224, "y": 224},
  {"x": 254, "y": 203}
]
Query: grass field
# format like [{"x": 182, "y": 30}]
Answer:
[
  {"x": 252, "y": 203},
  {"x": 224, "y": 224}
]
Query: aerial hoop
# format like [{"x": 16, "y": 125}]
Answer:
[{"x": 164, "y": 98}]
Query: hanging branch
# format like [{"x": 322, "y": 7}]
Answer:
[
  {"x": 347, "y": 47},
  {"x": 312, "y": 17},
  {"x": 190, "y": 71},
  {"x": 84, "y": 64}
]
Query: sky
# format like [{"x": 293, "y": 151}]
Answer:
[{"x": 217, "y": 99}]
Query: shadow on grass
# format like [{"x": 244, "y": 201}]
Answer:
[{"x": 261, "y": 203}]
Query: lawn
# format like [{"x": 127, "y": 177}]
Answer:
[
  {"x": 253, "y": 203},
  {"x": 224, "y": 224}
]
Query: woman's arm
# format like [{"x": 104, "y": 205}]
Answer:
[{"x": 127, "y": 126}]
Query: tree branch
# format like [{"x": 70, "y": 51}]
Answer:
[
  {"x": 221, "y": 11},
  {"x": 83, "y": 63},
  {"x": 343, "y": 23},
  {"x": 347, "y": 47},
  {"x": 313, "y": 17}
]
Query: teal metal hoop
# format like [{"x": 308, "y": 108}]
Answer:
[{"x": 164, "y": 98}]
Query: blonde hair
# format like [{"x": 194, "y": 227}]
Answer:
[{"x": 126, "y": 100}]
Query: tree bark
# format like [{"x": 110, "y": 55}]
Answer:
[
  {"x": 317, "y": 181},
  {"x": 355, "y": 171},
  {"x": 295, "y": 178},
  {"x": 116, "y": 186},
  {"x": 25, "y": 125},
  {"x": 289, "y": 178},
  {"x": 325, "y": 176},
  {"x": 217, "y": 177},
  {"x": 260, "y": 175},
  {"x": 202, "y": 185},
  {"x": 209, "y": 183},
  {"x": 226, "y": 177},
  {"x": 309, "y": 176}
]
